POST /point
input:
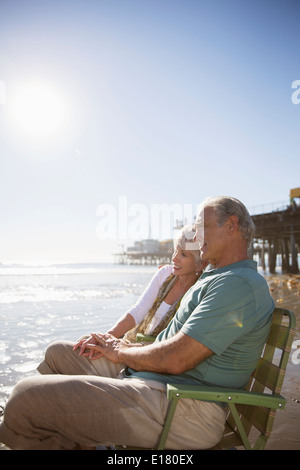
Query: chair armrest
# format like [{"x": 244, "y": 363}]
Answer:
[
  {"x": 225, "y": 395},
  {"x": 141, "y": 338}
]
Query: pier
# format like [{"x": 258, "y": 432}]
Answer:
[
  {"x": 276, "y": 241},
  {"x": 277, "y": 236},
  {"x": 147, "y": 252}
]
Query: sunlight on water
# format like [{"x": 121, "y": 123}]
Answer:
[
  {"x": 26, "y": 367},
  {"x": 41, "y": 304}
]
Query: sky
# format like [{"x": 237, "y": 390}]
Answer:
[{"x": 118, "y": 117}]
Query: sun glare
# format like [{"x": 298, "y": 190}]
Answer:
[{"x": 38, "y": 110}]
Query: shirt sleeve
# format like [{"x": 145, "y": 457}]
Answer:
[
  {"x": 224, "y": 313},
  {"x": 146, "y": 300}
]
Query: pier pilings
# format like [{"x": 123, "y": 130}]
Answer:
[{"x": 277, "y": 235}]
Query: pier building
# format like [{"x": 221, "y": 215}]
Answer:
[{"x": 276, "y": 241}]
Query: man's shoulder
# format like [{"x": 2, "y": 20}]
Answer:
[
  {"x": 233, "y": 280},
  {"x": 234, "y": 272}
]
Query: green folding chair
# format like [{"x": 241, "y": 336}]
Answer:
[
  {"x": 251, "y": 412},
  {"x": 141, "y": 338}
]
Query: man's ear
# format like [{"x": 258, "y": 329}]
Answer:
[{"x": 232, "y": 224}]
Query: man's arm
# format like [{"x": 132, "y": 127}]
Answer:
[{"x": 173, "y": 356}]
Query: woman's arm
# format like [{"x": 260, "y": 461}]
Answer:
[
  {"x": 137, "y": 312},
  {"x": 146, "y": 300},
  {"x": 125, "y": 323}
]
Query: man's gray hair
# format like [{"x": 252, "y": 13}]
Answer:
[{"x": 226, "y": 206}]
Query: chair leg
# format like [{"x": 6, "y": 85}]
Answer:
[
  {"x": 240, "y": 427},
  {"x": 167, "y": 425}
]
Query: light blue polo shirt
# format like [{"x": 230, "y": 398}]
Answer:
[{"x": 229, "y": 310}]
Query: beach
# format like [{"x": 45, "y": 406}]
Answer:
[
  {"x": 40, "y": 304},
  {"x": 285, "y": 290}
]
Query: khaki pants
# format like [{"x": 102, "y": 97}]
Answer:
[{"x": 79, "y": 401}]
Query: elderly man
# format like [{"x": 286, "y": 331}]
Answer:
[{"x": 215, "y": 338}]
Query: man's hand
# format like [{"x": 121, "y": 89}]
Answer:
[
  {"x": 172, "y": 356},
  {"x": 106, "y": 345},
  {"x": 82, "y": 345}
]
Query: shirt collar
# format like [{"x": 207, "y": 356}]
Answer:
[{"x": 247, "y": 263}]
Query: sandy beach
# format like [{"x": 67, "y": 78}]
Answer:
[{"x": 285, "y": 290}]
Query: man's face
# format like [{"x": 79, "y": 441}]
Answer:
[{"x": 210, "y": 236}]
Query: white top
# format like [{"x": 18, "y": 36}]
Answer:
[{"x": 146, "y": 300}]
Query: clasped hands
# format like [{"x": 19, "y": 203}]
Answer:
[{"x": 98, "y": 344}]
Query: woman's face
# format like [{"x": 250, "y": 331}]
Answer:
[{"x": 184, "y": 262}]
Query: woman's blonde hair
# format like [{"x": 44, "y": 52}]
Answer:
[{"x": 185, "y": 240}]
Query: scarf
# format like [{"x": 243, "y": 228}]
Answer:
[{"x": 143, "y": 325}]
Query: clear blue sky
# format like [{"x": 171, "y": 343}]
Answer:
[{"x": 160, "y": 102}]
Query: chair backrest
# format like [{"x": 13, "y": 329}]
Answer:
[{"x": 267, "y": 378}]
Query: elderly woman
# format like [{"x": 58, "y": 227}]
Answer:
[{"x": 159, "y": 302}]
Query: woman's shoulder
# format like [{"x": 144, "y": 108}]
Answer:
[{"x": 164, "y": 271}]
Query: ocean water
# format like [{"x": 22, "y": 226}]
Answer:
[{"x": 41, "y": 304}]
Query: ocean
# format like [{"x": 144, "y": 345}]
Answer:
[{"x": 39, "y": 305}]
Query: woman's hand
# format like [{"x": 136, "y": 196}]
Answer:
[
  {"x": 84, "y": 350},
  {"x": 106, "y": 345},
  {"x": 87, "y": 345}
]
